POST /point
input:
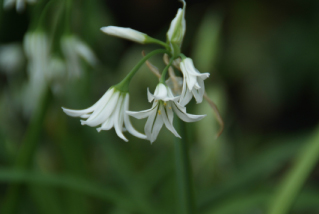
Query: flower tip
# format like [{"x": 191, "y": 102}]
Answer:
[
  {"x": 104, "y": 29},
  {"x": 83, "y": 122}
]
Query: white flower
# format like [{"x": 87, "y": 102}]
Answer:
[
  {"x": 73, "y": 48},
  {"x": 109, "y": 111},
  {"x": 193, "y": 82},
  {"x": 125, "y": 33},
  {"x": 20, "y": 4},
  {"x": 162, "y": 112},
  {"x": 37, "y": 50},
  {"x": 176, "y": 31}
]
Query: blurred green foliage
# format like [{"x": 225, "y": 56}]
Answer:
[{"x": 263, "y": 60}]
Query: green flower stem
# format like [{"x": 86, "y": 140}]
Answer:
[
  {"x": 294, "y": 180},
  {"x": 67, "y": 14},
  {"x": 162, "y": 80},
  {"x": 150, "y": 40},
  {"x": 184, "y": 172},
  {"x": 43, "y": 21},
  {"x": 27, "y": 150},
  {"x": 124, "y": 84}
]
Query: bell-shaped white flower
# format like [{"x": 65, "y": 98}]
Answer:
[
  {"x": 73, "y": 49},
  {"x": 162, "y": 112},
  {"x": 193, "y": 82},
  {"x": 126, "y": 33},
  {"x": 109, "y": 111},
  {"x": 37, "y": 51},
  {"x": 20, "y": 4},
  {"x": 176, "y": 31}
]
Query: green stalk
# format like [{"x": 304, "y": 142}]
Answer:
[
  {"x": 184, "y": 172},
  {"x": 162, "y": 80},
  {"x": 124, "y": 84},
  {"x": 28, "y": 147},
  {"x": 294, "y": 180},
  {"x": 151, "y": 40}
]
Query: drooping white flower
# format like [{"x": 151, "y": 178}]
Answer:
[
  {"x": 176, "y": 31},
  {"x": 73, "y": 49},
  {"x": 193, "y": 82},
  {"x": 20, "y": 4},
  {"x": 125, "y": 33},
  {"x": 109, "y": 111},
  {"x": 37, "y": 51},
  {"x": 162, "y": 112}
]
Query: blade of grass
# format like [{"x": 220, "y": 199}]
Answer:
[
  {"x": 249, "y": 202},
  {"x": 45, "y": 199},
  {"x": 124, "y": 168},
  {"x": 73, "y": 156},
  {"x": 258, "y": 167},
  {"x": 28, "y": 147},
  {"x": 107, "y": 194},
  {"x": 294, "y": 180}
]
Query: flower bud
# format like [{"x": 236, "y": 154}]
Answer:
[
  {"x": 125, "y": 33},
  {"x": 176, "y": 31}
]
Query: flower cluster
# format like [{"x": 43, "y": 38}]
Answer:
[{"x": 112, "y": 109}]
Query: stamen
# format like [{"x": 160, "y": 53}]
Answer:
[
  {"x": 159, "y": 112},
  {"x": 165, "y": 103}
]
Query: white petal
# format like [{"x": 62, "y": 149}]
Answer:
[
  {"x": 150, "y": 122},
  {"x": 119, "y": 118},
  {"x": 184, "y": 116},
  {"x": 160, "y": 92},
  {"x": 199, "y": 93},
  {"x": 125, "y": 33},
  {"x": 101, "y": 115},
  {"x": 168, "y": 124},
  {"x": 150, "y": 96},
  {"x": 186, "y": 95},
  {"x": 107, "y": 125},
  {"x": 101, "y": 102},
  {"x": 156, "y": 127},
  {"x": 141, "y": 114},
  {"x": 170, "y": 112},
  {"x": 127, "y": 121}
]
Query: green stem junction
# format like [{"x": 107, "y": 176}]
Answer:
[{"x": 124, "y": 84}]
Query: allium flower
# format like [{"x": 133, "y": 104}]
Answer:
[
  {"x": 74, "y": 49},
  {"x": 109, "y": 111},
  {"x": 176, "y": 31},
  {"x": 162, "y": 112},
  {"x": 20, "y": 4},
  {"x": 125, "y": 33},
  {"x": 37, "y": 50},
  {"x": 193, "y": 82}
]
